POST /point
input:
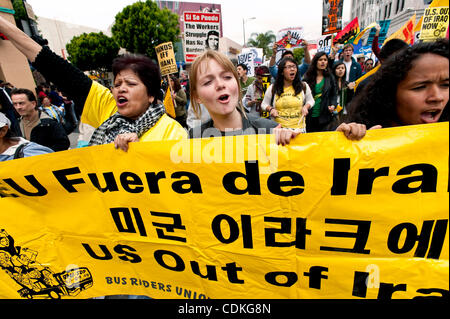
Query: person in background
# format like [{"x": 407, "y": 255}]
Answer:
[
  {"x": 252, "y": 100},
  {"x": 344, "y": 90},
  {"x": 184, "y": 81},
  {"x": 323, "y": 87},
  {"x": 302, "y": 68},
  {"x": 387, "y": 50},
  {"x": 12, "y": 147},
  {"x": 244, "y": 79},
  {"x": 411, "y": 87},
  {"x": 354, "y": 70},
  {"x": 180, "y": 98},
  {"x": 288, "y": 99},
  {"x": 368, "y": 65},
  {"x": 35, "y": 125},
  {"x": 6, "y": 107},
  {"x": 55, "y": 112}
]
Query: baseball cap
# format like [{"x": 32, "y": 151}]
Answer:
[{"x": 4, "y": 120}]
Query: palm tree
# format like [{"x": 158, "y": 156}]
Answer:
[{"x": 262, "y": 40}]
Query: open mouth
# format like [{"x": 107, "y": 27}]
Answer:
[
  {"x": 224, "y": 98},
  {"x": 121, "y": 101},
  {"x": 431, "y": 116}
]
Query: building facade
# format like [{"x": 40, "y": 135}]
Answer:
[
  {"x": 398, "y": 11},
  {"x": 14, "y": 67}
]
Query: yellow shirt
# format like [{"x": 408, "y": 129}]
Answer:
[
  {"x": 289, "y": 107},
  {"x": 100, "y": 105}
]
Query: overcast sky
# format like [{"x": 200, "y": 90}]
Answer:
[{"x": 270, "y": 15}]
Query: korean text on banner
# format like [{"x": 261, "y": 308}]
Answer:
[
  {"x": 201, "y": 31},
  {"x": 166, "y": 58},
  {"x": 232, "y": 217}
]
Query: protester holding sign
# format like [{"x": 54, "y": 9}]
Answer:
[
  {"x": 302, "y": 68},
  {"x": 411, "y": 88},
  {"x": 131, "y": 109},
  {"x": 288, "y": 98}
]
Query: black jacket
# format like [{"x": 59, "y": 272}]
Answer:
[
  {"x": 49, "y": 133},
  {"x": 329, "y": 97}
]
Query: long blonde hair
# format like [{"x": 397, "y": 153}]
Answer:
[{"x": 226, "y": 63}]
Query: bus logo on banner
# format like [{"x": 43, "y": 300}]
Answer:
[
  {"x": 201, "y": 32},
  {"x": 166, "y": 58}
]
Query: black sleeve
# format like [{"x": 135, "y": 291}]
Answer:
[{"x": 64, "y": 75}]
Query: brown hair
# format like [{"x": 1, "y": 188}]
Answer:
[{"x": 225, "y": 62}]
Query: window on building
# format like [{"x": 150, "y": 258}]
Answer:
[
  {"x": 389, "y": 10},
  {"x": 385, "y": 12},
  {"x": 403, "y": 5}
]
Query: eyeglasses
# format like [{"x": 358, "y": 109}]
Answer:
[{"x": 290, "y": 67}]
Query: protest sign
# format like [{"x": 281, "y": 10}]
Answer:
[
  {"x": 349, "y": 32},
  {"x": 324, "y": 44},
  {"x": 251, "y": 57},
  {"x": 384, "y": 28},
  {"x": 201, "y": 32},
  {"x": 231, "y": 217},
  {"x": 332, "y": 16},
  {"x": 288, "y": 39},
  {"x": 435, "y": 21},
  {"x": 166, "y": 58}
]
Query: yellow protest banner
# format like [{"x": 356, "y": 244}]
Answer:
[
  {"x": 435, "y": 21},
  {"x": 232, "y": 217},
  {"x": 166, "y": 58}
]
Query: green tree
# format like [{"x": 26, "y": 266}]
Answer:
[
  {"x": 93, "y": 52},
  {"x": 262, "y": 40},
  {"x": 140, "y": 27},
  {"x": 20, "y": 12},
  {"x": 299, "y": 54}
]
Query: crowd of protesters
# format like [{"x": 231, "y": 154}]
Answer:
[{"x": 217, "y": 97}]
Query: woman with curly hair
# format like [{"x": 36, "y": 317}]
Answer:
[{"x": 412, "y": 87}]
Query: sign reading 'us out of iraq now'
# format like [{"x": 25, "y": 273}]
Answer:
[{"x": 231, "y": 217}]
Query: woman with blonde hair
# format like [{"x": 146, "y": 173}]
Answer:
[{"x": 215, "y": 84}]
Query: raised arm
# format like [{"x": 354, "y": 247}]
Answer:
[
  {"x": 54, "y": 68},
  {"x": 20, "y": 40}
]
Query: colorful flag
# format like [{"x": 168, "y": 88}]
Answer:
[
  {"x": 405, "y": 33},
  {"x": 360, "y": 35},
  {"x": 348, "y": 33}
]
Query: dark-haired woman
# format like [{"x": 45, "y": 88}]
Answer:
[
  {"x": 344, "y": 90},
  {"x": 411, "y": 87},
  {"x": 287, "y": 99},
  {"x": 130, "y": 113},
  {"x": 323, "y": 88}
]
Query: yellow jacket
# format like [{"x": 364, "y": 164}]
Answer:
[{"x": 100, "y": 105}]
